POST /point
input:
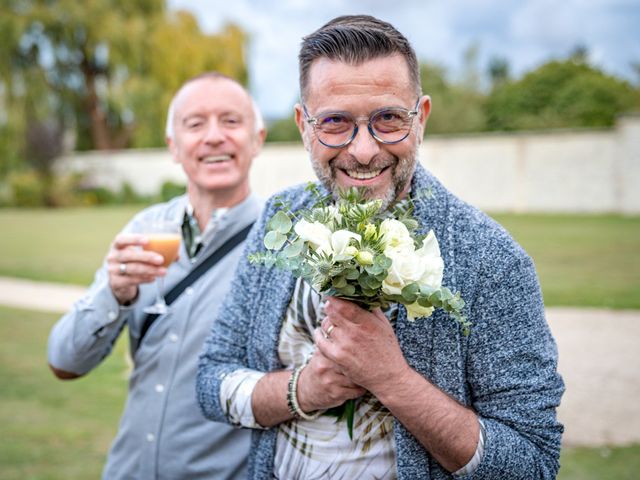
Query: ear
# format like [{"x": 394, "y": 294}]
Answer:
[
  {"x": 424, "y": 110},
  {"x": 258, "y": 141},
  {"x": 172, "y": 148},
  {"x": 302, "y": 124}
]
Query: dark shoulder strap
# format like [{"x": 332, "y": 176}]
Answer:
[{"x": 195, "y": 274}]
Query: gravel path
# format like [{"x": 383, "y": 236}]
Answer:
[{"x": 598, "y": 350}]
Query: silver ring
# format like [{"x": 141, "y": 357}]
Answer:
[{"x": 122, "y": 269}]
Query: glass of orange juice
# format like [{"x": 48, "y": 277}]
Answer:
[{"x": 164, "y": 238}]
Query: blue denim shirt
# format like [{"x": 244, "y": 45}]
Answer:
[{"x": 162, "y": 433}]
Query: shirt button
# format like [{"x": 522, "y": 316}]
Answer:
[
  {"x": 150, "y": 437},
  {"x": 159, "y": 388},
  {"x": 173, "y": 337},
  {"x": 189, "y": 291},
  {"x": 112, "y": 315}
]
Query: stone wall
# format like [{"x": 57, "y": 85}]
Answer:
[{"x": 551, "y": 171}]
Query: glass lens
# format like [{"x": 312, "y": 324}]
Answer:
[
  {"x": 391, "y": 124},
  {"x": 334, "y": 128}
]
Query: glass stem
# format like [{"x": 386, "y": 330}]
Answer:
[{"x": 160, "y": 287}]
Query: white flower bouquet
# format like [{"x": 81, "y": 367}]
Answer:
[{"x": 353, "y": 250}]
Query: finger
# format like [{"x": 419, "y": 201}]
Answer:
[
  {"x": 327, "y": 326},
  {"x": 124, "y": 240},
  {"x": 323, "y": 344},
  {"x": 134, "y": 255},
  {"x": 355, "y": 392},
  {"x": 135, "y": 272},
  {"x": 342, "y": 311}
]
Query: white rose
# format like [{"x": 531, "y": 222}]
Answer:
[
  {"x": 406, "y": 267},
  {"x": 340, "y": 241},
  {"x": 395, "y": 235},
  {"x": 433, "y": 264},
  {"x": 424, "y": 266},
  {"x": 315, "y": 233}
]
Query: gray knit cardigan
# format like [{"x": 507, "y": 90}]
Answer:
[{"x": 506, "y": 370}]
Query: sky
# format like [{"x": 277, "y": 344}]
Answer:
[{"x": 526, "y": 33}]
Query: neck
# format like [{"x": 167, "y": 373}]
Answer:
[{"x": 204, "y": 203}]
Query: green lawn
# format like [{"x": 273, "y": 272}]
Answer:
[
  {"x": 53, "y": 429},
  {"x": 60, "y": 245},
  {"x": 582, "y": 260},
  {"x": 58, "y": 430}
]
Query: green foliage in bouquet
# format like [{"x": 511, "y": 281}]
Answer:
[{"x": 353, "y": 249}]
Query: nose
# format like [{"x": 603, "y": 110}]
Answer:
[
  {"x": 363, "y": 147},
  {"x": 213, "y": 133}
]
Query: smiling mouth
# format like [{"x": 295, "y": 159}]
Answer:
[
  {"x": 364, "y": 175},
  {"x": 215, "y": 158}
]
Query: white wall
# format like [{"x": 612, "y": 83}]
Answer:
[{"x": 552, "y": 171}]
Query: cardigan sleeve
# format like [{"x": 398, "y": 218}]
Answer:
[
  {"x": 225, "y": 349},
  {"x": 512, "y": 374}
]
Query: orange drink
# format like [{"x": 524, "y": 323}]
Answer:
[{"x": 166, "y": 244}]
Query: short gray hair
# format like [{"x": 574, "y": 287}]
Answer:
[
  {"x": 170, "y": 128},
  {"x": 354, "y": 39}
]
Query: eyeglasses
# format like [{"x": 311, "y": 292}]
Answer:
[{"x": 387, "y": 125}]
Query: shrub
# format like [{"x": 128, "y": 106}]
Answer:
[{"x": 171, "y": 189}]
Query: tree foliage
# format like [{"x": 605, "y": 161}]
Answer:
[
  {"x": 560, "y": 94},
  {"x": 102, "y": 69}
]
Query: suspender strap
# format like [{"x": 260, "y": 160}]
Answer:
[{"x": 195, "y": 274}]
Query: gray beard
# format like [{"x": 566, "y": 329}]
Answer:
[{"x": 401, "y": 174}]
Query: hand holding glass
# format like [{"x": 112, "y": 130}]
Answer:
[{"x": 164, "y": 238}]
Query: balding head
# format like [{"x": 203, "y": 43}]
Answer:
[{"x": 170, "y": 128}]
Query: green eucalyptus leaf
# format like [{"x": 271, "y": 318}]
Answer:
[
  {"x": 382, "y": 260},
  {"x": 348, "y": 290},
  {"x": 274, "y": 240},
  {"x": 294, "y": 249},
  {"x": 410, "y": 292},
  {"x": 280, "y": 222},
  {"x": 351, "y": 274},
  {"x": 424, "y": 302},
  {"x": 339, "y": 282}
]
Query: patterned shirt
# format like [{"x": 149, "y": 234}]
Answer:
[{"x": 321, "y": 448}]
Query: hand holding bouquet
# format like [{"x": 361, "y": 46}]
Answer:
[{"x": 354, "y": 250}]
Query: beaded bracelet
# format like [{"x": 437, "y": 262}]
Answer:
[{"x": 292, "y": 397}]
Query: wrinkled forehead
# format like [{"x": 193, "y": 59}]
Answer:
[{"x": 385, "y": 76}]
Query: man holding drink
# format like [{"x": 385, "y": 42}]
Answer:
[{"x": 214, "y": 130}]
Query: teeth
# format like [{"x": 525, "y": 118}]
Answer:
[
  {"x": 216, "y": 158},
  {"x": 363, "y": 175}
]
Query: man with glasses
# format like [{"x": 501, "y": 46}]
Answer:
[{"x": 432, "y": 403}]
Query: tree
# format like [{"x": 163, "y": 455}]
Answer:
[
  {"x": 103, "y": 68},
  {"x": 178, "y": 50},
  {"x": 560, "y": 94},
  {"x": 457, "y": 107}
]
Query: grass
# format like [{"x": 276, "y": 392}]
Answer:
[
  {"x": 619, "y": 463},
  {"x": 60, "y": 245},
  {"x": 57, "y": 430},
  {"x": 53, "y": 429},
  {"x": 582, "y": 260}
]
